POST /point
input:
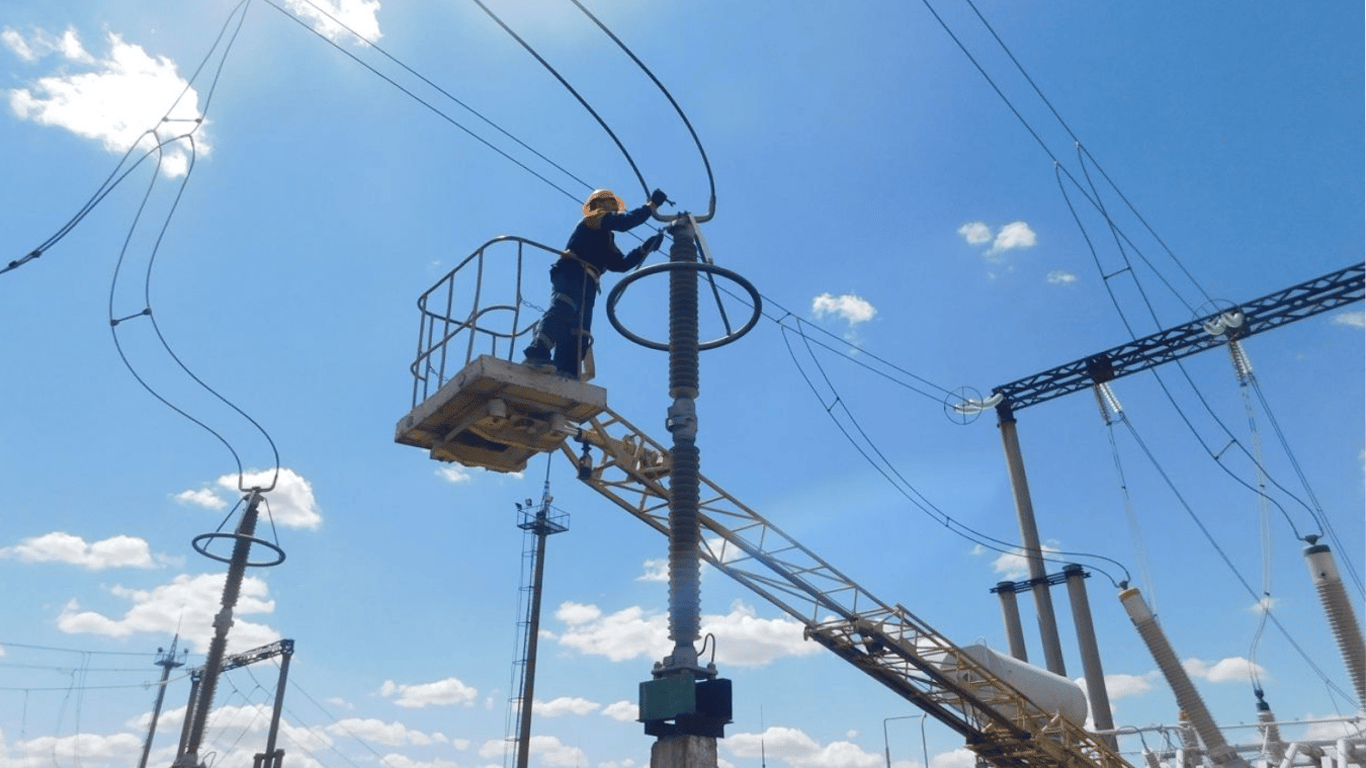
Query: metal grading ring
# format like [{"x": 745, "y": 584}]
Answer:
[
  {"x": 204, "y": 548},
  {"x": 696, "y": 266}
]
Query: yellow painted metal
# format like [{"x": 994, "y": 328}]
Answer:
[{"x": 497, "y": 414}]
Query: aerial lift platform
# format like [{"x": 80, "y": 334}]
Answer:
[
  {"x": 497, "y": 414},
  {"x": 482, "y": 409}
]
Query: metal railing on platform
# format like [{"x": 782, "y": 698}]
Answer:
[{"x": 478, "y": 308}]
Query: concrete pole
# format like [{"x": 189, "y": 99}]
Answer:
[
  {"x": 1033, "y": 551},
  {"x": 1090, "y": 653},
  {"x": 1010, "y": 612}
]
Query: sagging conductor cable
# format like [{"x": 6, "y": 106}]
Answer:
[
  {"x": 115, "y": 177},
  {"x": 711, "y": 180},
  {"x": 569, "y": 88},
  {"x": 324, "y": 12},
  {"x": 115, "y": 321}
]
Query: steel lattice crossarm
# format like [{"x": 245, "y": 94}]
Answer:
[
  {"x": 268, "y": 651},
  {"x": 1286, "y": 306},
  {"x": 887, "y": 642}
]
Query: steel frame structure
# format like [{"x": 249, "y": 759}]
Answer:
[
  {"x": 1297, "y": 302},
  {"x": 885, "y": 641}
]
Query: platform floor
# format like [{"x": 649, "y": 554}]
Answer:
[{"x": 496, "y": 414}]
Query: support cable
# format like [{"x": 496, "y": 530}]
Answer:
[
  {"x": 1243, "y": 369},
  {"x": 430, "y": 106},
  {"x": 1171, "y": 398},
  {"x": 1322, "y": 516},
  {"x": 1200, "y": 525},
  {"x": 898, "y": 481},
  {"x": 569, "y": 88},
  {"x": 981, "y": 69},
  {"x": 1081, "y": 148},
  {"x": 1109, "y": 404},
  {"x": 115, "y": 177},
  {"x": 115, "y": 322},
  {"x": 711, "y": 180},
  {"x": 384, "y": 760}
]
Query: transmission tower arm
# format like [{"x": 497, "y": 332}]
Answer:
[
  {"x": 886, "y": 641},
  {"x": 1274, "y": 310},
  {"x": 268, "y": 651}
]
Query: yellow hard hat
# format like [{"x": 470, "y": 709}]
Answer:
[{"x": 602, "y": 194}]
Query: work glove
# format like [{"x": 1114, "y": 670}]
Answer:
[
  {"x": 652, "y": 243},
  {"x": 658, "y": 197}
]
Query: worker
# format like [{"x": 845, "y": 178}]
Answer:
[{"x": 565, "y": 329}]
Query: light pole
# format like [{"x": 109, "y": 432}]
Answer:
[{"x": 886, "y": 745}]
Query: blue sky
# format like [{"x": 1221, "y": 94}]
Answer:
[{"x": 876, "y": 188}]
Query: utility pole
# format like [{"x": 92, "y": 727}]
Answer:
[
  {"x": 541, "y": 525},
  {"x": 167, "y": 662}
]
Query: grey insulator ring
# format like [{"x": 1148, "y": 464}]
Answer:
[
  {"x": 203, "y": 548},
  {"x": 696, "y": 266}
]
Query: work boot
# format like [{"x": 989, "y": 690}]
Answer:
[{"x": 538, "y": 359}]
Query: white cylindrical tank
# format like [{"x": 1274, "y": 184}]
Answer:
[{"x": 1051, "y": 692}]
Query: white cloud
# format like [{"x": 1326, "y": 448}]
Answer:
[
  {"x": 115, "y": 100},
  {"x": 622, "y": 711},
  {"x": 975, "y": 232},
  {"x": 1330, "y": 731},
  {"x": 577, "y": 613},
  {"x": 1120, "y": 686},
  {"x": 362, "y": 16},
  {"x": 852, "y": 309},
  {"x": 59, "y": 547},
  {"x": 1356, "y": 318},
  {"x": 800, "y": 750},
  {"x": 454, "y": 473},
  {"x": 15, "y": 42},
  {"x": 187, "y": 605},
  {"x": 655, "y": 571},
  {"x": 438, "y": 693},
  {"x": 389, "y": 734},
  {"x": 1231, "y": 670},
  {"x": 550, "y": 750},
  {"x": 1016, "y": 234},
  {"x": 83, "y": 747},
  {"x": 742, "y": 639},
  {"x": 1061, "y": 277},
  {"x": 202, "y": 497},
  {"x": 958, "y": 758},
  {"x": 566, "y": 705},
  {"x": 290, "y": 504},
  {"x": 1013, "y": 565},
  {"x": 395, "y": 760},
  {"x": 230, "y": 722}
]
